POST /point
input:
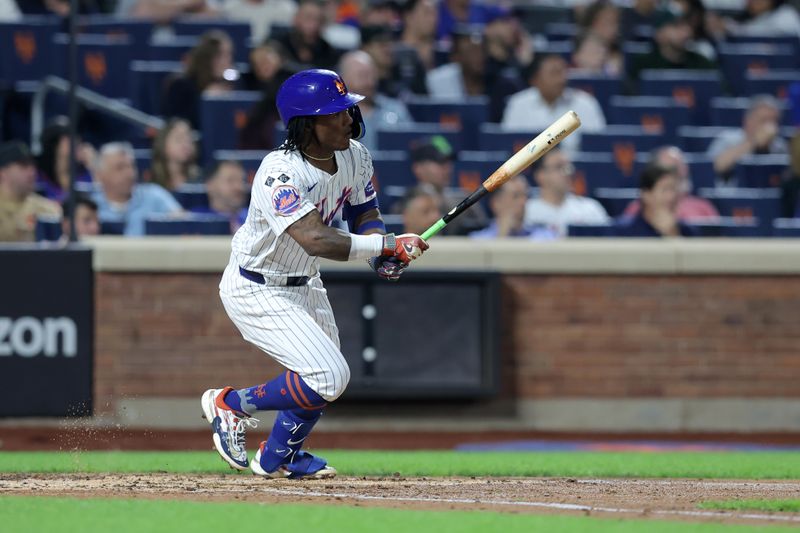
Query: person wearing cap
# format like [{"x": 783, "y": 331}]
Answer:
[
  {"x": 19, "y": 205},
  {"x": 671, "y": 38},
  {"x": 432, "y": 165},
  {"x": 378, "y": 110},
  {"x": 465, "y": 75}
]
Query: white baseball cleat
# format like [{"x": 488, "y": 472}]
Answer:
[
  {"x": 229, "y": 428},
  {"x": 284, "y": 471}
]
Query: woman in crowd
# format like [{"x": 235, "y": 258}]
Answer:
[
  {"x": 174, "y": 159},
  {"x": 54, "y": 160}
]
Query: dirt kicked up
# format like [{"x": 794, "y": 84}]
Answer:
[{"x": 674, "y": 499}]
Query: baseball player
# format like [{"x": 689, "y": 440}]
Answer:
[{"x": 271, "y": 288}]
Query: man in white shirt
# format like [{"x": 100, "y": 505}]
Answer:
[
  {"x": 465, "y": 75},
  {"x": 535, "y": 108},
  {"x": 557, "y": 207},
  {"x": 261, "y": 14},
  {"x": 9, "y": 11}
]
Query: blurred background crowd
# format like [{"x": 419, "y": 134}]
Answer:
[{"x": 689, "y": 112}]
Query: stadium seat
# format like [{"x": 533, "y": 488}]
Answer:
[
  {"x": 249, "y": 159},
  {"x": 394, "y": 223},
  {"x": 403, "y": 137},
  {"x": 738, "y": 59},
  {"x": 26, "y": 50},
  {"x": 176, "y": 49},
  {"x": 191, "y": 196},
  {"x": 730, "y": 227},
  {"x": 137, "y": 31},
  {"x": 48, "y": 229},
  {"x": 774, "y": 82},
  {"x": 495, "y": 138},
  {"x": 112, "y": 228},
  {"x": 590, "y": 230},
  {"x": 773, "y": 40},
  {"x": 466, "y": 114},
  {"x": 239, "y": 32},
  {"x": 471, "y": 168},
  {"x": 536, "y": 18},
  {"x": 561, "y": 31},
  {"x": 103, "y": 62},
  {"x": 622, "y": 140},
  {"x": 786, "y": 227},
  {"x": 694, "y": 139},
  {"x": 741, "y": 203},
  {"x": 693, "y": 88},
  {"x": 221, "y": 118},
  {"x": 616, "y": 200},
  {"x": 602, "y": 87},
  {"x": 188, "y": 225},
  {"x": 762, "y": 170},
  {"x": 562, "y": 48},
  {"x": 701, "y": 170},
  {"x": 633, "y": 49},
  {"x": 655, "y": 114},
  {"x": 142, "y": 158},
  {"x": 392, "y": 168},
  {"x": 730, "y": 112},
  {"x": 148, "y": 82},
  {"x": 595, "y": 170}
]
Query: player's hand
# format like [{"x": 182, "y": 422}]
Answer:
[
  {"x": 406, "y": 247},
  {"x": 388, "y": 268}
]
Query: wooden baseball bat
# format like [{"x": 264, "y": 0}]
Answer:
[{"x": 543, "y": 143}]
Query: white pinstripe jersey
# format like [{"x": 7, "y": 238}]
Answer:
[{"x": 285, "y": 189}]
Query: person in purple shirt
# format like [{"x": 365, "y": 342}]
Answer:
[
  {"x": 659, "y": 194},
  {"x": 225, "y": 186}
]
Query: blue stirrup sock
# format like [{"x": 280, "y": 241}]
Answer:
[
  {"x": 288, "y": 434},
  {"x": 288, "y": 391}
]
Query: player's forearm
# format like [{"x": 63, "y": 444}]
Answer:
[
  {"x": 728, "y": 159},
  {"x": 319, "y": 240},
  {"x": 370, "y": 223}
]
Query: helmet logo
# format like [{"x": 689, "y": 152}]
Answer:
[{"x": 340, "y": 86}]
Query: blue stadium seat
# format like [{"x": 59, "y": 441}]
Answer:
[
  {"x": 103, "y": 62},
  {"x": 495, "y": 138},
  {"x": 221, "y": 118},
  {"x": 601, "y": 86},
  {"x": 392, "y": 168},
  {"x": 622, "y": 140},
  {"x": 176, "y": 49},
  {"x": 137, "y": 31},
  {"x": 562, "y": 48},
  {"x": 730, "y": 227},
  {"x": 590, "y": 230},
  {"x": 741, "y": 203},
  {"x": 112, "y": 228},
  {"x": 786, "y": 227},
  {"x": 536, "y": 17},
  {"x": 657, "y": 114},
  {"x": 148, "y": 82},
  {"x": 472, "y": 168},
  {"x": 701, "y": 170},
  {"x": 26, "y": 50},
  {"x": 48, "y": 229},
  {"x": 774, "y": 82},
  {"x": 466, "y": 114},
  {"x": 773, "y": 40},
  {"x": 615, "y": 200},
  {"x": 394, "y": 223},
  {"x": 738, "y": 59},
  {"x": 697, "y": 139},
  {"x": 191, "y": 196},
  {"x": 249, "y": 159},
  {"x": 142, "y": 158},
  {"x": 633, "y": 49},
  {"x": 388, "y": 198},
  {"x": 693, "y": 88},
  {"x": 730, "y": 111},
  {"x": 762, "y": 170},
  {"x": 188, "y": 225},
  {"x": 561, "y": 31},
  {"x": 402, "y": 137},
  {"x": 239, "y": 32},
  {"x": 595, "y": 170}
]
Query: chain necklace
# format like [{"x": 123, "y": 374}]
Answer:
[{"x": 319, "y": 158}]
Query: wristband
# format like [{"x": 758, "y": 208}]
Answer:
[{"x": 365, "y": 246}]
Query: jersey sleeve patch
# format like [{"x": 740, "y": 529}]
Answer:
[
  {"x": 283, "y": 178},
  {"x": 286, "y": 200}
]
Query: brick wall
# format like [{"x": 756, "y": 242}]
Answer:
[{"x": 167, "y": 335}]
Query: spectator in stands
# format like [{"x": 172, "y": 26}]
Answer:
[
  {"x": 659, "y": 190},
  {"x": 60, "y": 8},
  {"x": 702, "y": 40},
  {"x": 507, "y": 204},
  {"x": 378, "y": 42},
  {"x": 455, "y": 13},
  {"x": 762, "y": 17},
  {"x": 420, "y": 209},
  {"x": 419, "y": 30},
  {"x": 601, "y": 20},
  {"x": 304, "y": 44},
  {"x": 9, "y": 11},
  {"x": 509, "y": 51},
  {"x": 557, "y": 206},
  {"x": 19, "y": 205},
  {"x": 548, "y": 98},
  {"x": 174, "y": 159},
  {"x": 380, "y": 13},
  {"x": 465, "y": 75},
  {"x": 591, "y": 55},
  {"x": 641, "y": 13},
  {"x": 759, "y": 135},
  {"x": 790, "y": 188},
  {"x": 379, "y": 111},
  {"x": 207, "y": 67},
  {"x": 260, "y": 14},
  {"x": 671, "y": 39},
  {"x": 164, "y": 11},
  {"x": 120, "y": 198},
  {"x": 225, "y": 185},
  {"x": 87, "y": 223},
  {"x": 54, "y": 171},
  {"x": 432, "y": 165},
  {"x": 690, "y": 208}
]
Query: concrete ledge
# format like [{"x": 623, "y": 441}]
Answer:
[{"x": 512, "y": 256}]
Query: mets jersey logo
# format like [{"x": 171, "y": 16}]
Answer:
[
  {"x": 340, "y": 86},
  {"x": 286, "y": 200}
]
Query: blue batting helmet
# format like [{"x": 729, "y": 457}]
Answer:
[{"x": 318, "y": 92}]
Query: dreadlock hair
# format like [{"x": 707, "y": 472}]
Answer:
[{"x": 298, "y": 135}]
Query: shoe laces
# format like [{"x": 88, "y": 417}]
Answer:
[{"x": 239, "y": 437}]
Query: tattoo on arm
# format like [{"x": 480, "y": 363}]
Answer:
[
  {"x": 368, "y": 216},
  {"x": 320, "y": 240}
]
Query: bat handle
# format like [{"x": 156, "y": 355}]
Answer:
[{"x": 433, "y": 230}]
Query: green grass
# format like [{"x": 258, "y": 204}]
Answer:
[
  {"x": 729, "y": 465},
  {"x": 785, "y": 506},
  {"x": 40, "y": 514}
]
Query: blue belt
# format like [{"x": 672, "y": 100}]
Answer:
[{"x": 290, "y": 281}]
